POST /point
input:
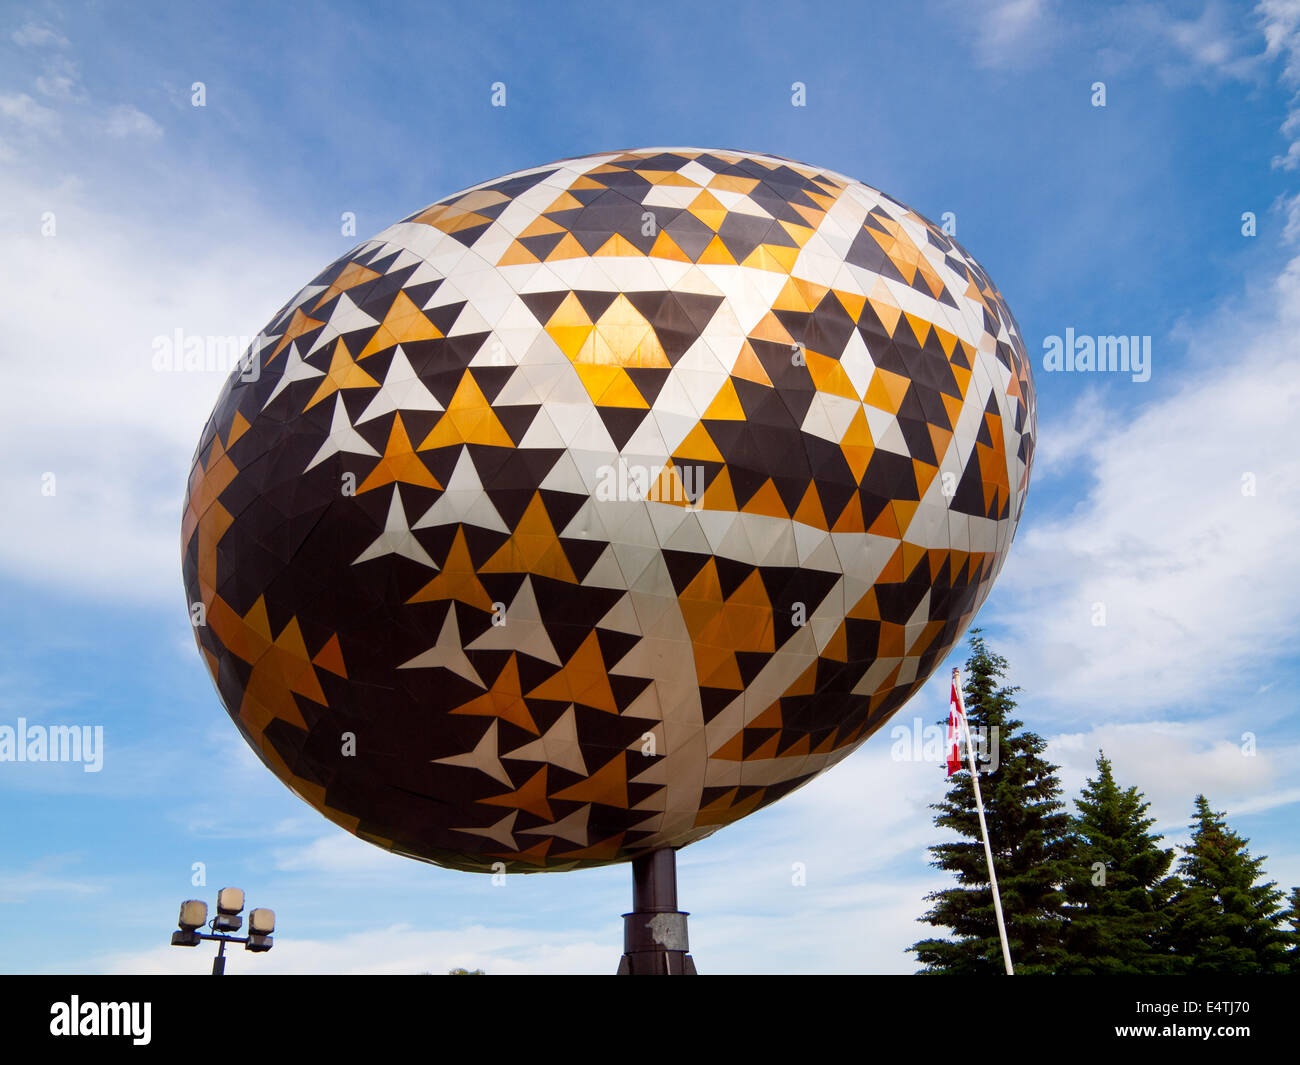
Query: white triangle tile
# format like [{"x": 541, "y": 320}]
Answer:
[
  {"x": 447, "y": 653},
  {"x": 892, "y": 440},
  {"x": 446, "y": 294},
  {"x": 469, "y": 321},
  {"x": 559, "y": 746},
  {"x": 345, "y": 317},
  {"x": 606, "y": 573},
  {"x": 500, "y": 832},
  {"x": 541, "y": 433},
  {"x": 523, "y": 629},
  {"x": 573, "y": 828},
  {"x": 402, "y": 390},
  {"x": 688, "y": 536},
  {"x": 621, "y": 617},
  {"x": 463, "y": 501},
  {"x": 564, "y": 475},
  {"x": 295, "y": 369},
  {"x": 397, "y": 538},
  {"x": 342, "y": 437}
]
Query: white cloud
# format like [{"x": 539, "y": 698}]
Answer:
[
  {"x": 33, "y": 35},
  {"x": 1195, "y": 575},
  {"x": 1173, "y": 761},
  {"x": 25, "y": 112},
  {"x": 339, "y": 853},
  {"x": 41, "y": 879},
  {"x": 1010, "y": 32},
  {"x": 1267, "y": 801},
  {"x": 81, "y": 312},
  {"x": 128, "y": 121},
  {"x": 853, "y": 925},
  {"x": 1211, "y": 43},
  {"x": 397, "y": 950},
  {"x": 1291, "y": 227},
  {"x": 1057, "y": 451},
  {"x": 61, "y": 79},
  {"x": 1215, "y": 45},
  {"x": 1280, "y": 22}
]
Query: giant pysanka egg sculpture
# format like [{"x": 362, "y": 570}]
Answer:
[{"x": 599, "y": 505}]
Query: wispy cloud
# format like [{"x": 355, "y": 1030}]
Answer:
[
  {"x": 128, "y": 121},
  {"x": 1290, "y": 208},
  {"x": 36, "y": 35},
  {"x": 1010, "y": 33},
  {"x": 399, "y": 950},
  {"x": 1219, "y": 44},
  {"x": 1280, "y": 20},
  {"x": 61, "y": 79},
  {"x": 335, "y": 854},
  {"x": 1215, "y": 42},
  {"x": 1171, "y": 761},
  {"x": 42, "y": 878},
  {"x": 21, "y": 110}
]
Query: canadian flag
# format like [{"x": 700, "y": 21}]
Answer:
[{"x": 955, "y": 714}]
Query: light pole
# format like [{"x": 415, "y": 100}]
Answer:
[{"x": 230, "y": 904}]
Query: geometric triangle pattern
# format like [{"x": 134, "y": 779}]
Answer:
[{"x": 599, "y": 505}]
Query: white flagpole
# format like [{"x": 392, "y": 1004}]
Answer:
[{"x": 984, "y": 828}]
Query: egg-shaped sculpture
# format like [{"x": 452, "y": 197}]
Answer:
[{"x": 599, "y": 505}]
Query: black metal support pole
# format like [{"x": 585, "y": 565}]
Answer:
[
  {"x": 654, "y": 933},
  {"x": 219, "y": 962}
]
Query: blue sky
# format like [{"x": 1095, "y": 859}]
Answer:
[{"x": 1125, "y": 219}]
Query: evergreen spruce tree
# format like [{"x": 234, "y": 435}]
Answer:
[
  {"x": 1293, "y": 919},
  {"x": 1223, "y": 920},
  {"x": 1029, "y": 835},
  {"x": 1118, "y": 886}
]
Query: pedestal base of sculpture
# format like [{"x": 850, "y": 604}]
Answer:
[
  {"x": 654, "y": 944},
  {"x": 654, "y": 933}
]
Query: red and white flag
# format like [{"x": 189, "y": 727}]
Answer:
[{"x": 955, "y": 714}]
